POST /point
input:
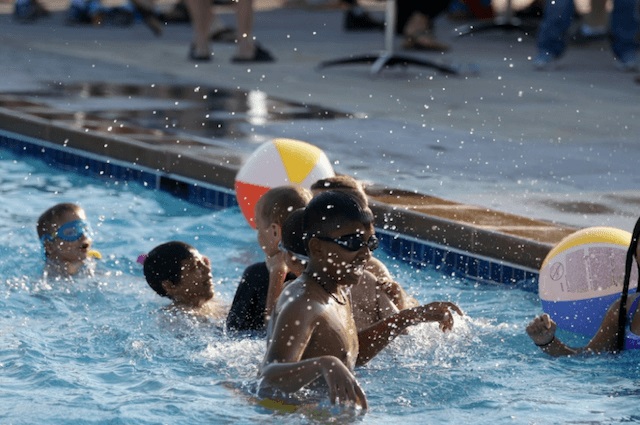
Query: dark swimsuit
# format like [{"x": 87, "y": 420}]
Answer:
[{"x": 631, "y": 340}]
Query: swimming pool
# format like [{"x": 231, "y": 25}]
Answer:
[{"x": 102, "y": 350}]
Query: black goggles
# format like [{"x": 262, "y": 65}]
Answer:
[{"x": 353, "y": 242}]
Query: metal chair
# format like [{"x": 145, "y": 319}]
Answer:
[{"x": 388, "y": 57}]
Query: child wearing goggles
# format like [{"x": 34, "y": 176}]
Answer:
[
  {"x": 65, "y": 235},
  {"x": 349, "y": 185}
]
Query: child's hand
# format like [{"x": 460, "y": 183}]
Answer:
[
  {"x": 440, "y": 312},
  {"x": 542, "y": 330}
]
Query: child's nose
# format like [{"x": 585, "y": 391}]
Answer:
[{"x": 364, "y": 253}]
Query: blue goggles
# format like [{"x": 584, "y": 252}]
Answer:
[
  {"x": 69, "y": 232},
  {"x": 353, "y": 242}
]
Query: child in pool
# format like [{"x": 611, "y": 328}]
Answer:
[
  {"x": 347, "y": 184},
  {"x": 65, "y": 235},
  {"x": 370, "y": 301},
  {"x": 312, "y": 333},
  {"x": 542, "y": 329},
  {"x": 177, "y": 270},
  {"x": 262, "y": 282}
]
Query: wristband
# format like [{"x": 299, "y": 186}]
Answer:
[{"x": 547, "y": 343}]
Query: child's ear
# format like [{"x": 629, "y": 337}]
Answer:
[
  {"x": 314, "y": 248},
  {"x": 47, "y": 247},
  {"x": 168, "y": 287},
  {"x": 276, "y": 230}
]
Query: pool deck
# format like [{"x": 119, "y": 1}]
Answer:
[{"x": 579, "y": 123}]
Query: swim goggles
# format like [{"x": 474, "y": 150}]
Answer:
[
  {"x": 301, "y": 257},
  {"x": 353, "y": 242},
  {"x": 70, "y": 232}
]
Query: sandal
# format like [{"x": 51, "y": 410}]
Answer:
[
  {"x": 424, "y": 41},
  {"x": 198, "y": 58},
  {"x": 224, "y": 35},
  {"x": 259, "y": 55}
]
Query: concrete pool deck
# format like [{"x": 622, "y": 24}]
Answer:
[{"x": 501, "y": 160}]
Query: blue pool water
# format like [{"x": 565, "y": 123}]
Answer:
[{"x": 101, "y": 349}]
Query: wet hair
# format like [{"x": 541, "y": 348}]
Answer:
[
  {"x": 277, "y": 203},
  {"x": 342, "y": 183},
  {"x": 164, "y": 262},
  {"x": 293, "y": 232},
  {"x": 631, "y": 254},
  {"x": 53, "y": 214},
  {"x": 331, "y": 210}
]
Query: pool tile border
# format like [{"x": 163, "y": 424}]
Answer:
[
  {"x": 84, "y": 163},
  {"x": 413, "y": 250}
]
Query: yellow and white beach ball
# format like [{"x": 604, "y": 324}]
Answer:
[
  {"x": 583, "y": 275},
  {"x": 275, "y": 163}
]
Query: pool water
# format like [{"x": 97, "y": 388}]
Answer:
[{"x": 101, "y": 348}]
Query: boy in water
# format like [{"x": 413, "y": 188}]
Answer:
[
  {"x": 347, "y": 184},
  {"x": 370, "y": 302},
  {"x": 262, "y": 282},
  {"x": 312, "y": 333},
  {"x": 65, "y": 235},
  {"x": 177, "y": 270}
]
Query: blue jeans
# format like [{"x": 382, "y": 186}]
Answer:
[{"x": 557, "y": 19}]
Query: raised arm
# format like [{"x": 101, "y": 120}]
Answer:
[
  {"x": 542, "y": 331},
  {"x": 277, "y": 275},
  {"x": 373, "y": 339}
]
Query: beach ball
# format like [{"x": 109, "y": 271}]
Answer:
[
  {"x": 583, "y": 275},
  {"x": 279, "y": 162}
]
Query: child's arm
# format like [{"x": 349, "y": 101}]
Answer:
[
  {"x": 277, "y": 275},
  {"x": 373, "y": 339}
]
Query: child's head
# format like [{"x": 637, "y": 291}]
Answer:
[
  {"x": 178, "y": 271},
  {"x": 293, "y": 242},
  {"x": 331, "y": 210},
  {"x": 342, "y": 183},
  {"x": 339, "y": 235},
  {"x": 272, "y": 209},
  {"x": 65, "y": 233}
]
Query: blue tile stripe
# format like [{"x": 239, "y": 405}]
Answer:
[
  {"x": 453, "y": 262},
  {"x": 88, "y": 164},
  {"x": 418, "y": 253}
]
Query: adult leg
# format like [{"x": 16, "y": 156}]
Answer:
[
  {"x": 625, "y": 23},
  {"x": 553, "y": 28},
  {"x": 244, "y": 18},
  {"x": 416, "y": 21},
  {"x": 201, "y": 16},
  {"x": 248, "y": 50}
]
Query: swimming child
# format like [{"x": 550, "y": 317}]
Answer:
[
  {"x": 370, "y": 301},
  {"x": 615, "y": 332},
  {"x": 312, "y": 333},
  {"x": 177, "y": 270},
  {"x": 347, "y": 184},
  {"x": 65, "y": 235},
  {"x": 262, "y": 282}
]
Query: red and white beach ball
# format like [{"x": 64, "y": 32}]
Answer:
[{"x": 279, "y": 162}]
